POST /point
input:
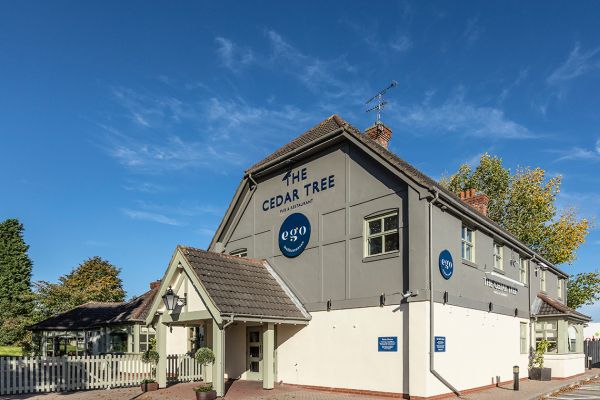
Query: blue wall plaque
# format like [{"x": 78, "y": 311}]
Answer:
[
  {"x": 440, "y": 344},
  {"x": 446, "y": 264},
  {"x": 294, "y": 235},
  {"x": 387, "y": 343}
]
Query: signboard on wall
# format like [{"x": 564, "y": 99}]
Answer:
[
  {"x": 440, "y": 344},
  {"x": 294, "y": 235},
  {"x": 446, "y": 264},
  {"x": 387, "y": 343}
]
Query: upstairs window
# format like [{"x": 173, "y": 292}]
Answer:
[
  {"x": 543, "y": 280},
  {"x": 523, "y": 271},
  {"x": 468, "y": 241},
  {"x": 559, "y": 288},
  {"x": 382, "y": 234},
  {"x": 239, "y": 253},
  {"x": 498, "y": 250}
]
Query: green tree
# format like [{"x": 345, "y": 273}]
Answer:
[
  {"x": 583, "y": 289},
  {"x": 93, "y": 280},
  {"x": 15, "y": 282},
  {"x": 523, "y": 203}
]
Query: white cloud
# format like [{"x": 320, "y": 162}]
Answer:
[
  {"x": 578, "y": 63},
  {"x": 472, "y": 31},
  {"x": 456, "y": 115},
  {"x": 580, "y": 153},
  {"x": 233, "y": 56},
  {"x": 152, "y": 217},
  {"x": 143, "y": 187},
  {"x": 401, "y": 44}
]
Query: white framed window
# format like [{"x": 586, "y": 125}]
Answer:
[
  {"x": 523, "y": 337},
  {"x": 239, "y": 253},
  {"x": 547, "y": 330},
  {"x": 147, "y": 335},
  {"x": 572, "y": 333},
  {"x": 498, "y": 252},
  {"x": 381, "y": 234},
  {"x": 543, "y": 280},
  {"x": 559, "y": 288},
  {"x": 468, "y": 244},
  {"x": 523, "y": 270}
]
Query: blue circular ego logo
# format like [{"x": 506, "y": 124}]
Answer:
[
  {"x": 294, "y": 235},
  {"x": 446, "y": 264}
]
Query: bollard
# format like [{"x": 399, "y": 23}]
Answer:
[
  {"x": 589, "y": 362},
  {"x": 516, "y": 377}
]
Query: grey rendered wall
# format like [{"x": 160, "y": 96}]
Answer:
[{"x": 333, "y": 265}]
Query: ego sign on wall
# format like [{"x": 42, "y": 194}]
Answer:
[
  {"x": 294, "y": 235},
  {"x": 446, "y": 264}
]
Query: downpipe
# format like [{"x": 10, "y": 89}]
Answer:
[{"x": 432, "y": 303}]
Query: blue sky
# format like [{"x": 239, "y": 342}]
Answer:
[{"x": 125, "y": 127}]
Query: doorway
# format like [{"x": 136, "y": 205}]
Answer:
[{"x": 254, "y": 356}]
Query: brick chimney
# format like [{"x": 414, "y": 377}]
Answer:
[
  {"x": 379, "y": 133},
  {"x": 477, "y": 201},
  {"x": 154, "y": 285}
]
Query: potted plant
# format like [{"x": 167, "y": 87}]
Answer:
[
  {"x": 149, "y": 385},
  {"x": 151, "y": 356},
  {"x": 205, "y": 356},
  {"x": 537, "y": 371}
]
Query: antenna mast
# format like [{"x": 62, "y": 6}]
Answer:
[{"x": 380, "y": 102}]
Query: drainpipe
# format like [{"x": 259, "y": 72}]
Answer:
[{"x": 431, "y": 303}]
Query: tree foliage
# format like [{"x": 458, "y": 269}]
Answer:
[
  {"x": 93, "y": 280},
  {"x": 583, "y": 289},
  {"x": 15, "y": 282},
  {"x": 524, "y": 204}
]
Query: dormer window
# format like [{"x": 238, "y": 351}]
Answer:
[{"x": 239, "y": 253}]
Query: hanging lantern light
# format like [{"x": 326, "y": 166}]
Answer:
[{"x": 170, "y": 299}]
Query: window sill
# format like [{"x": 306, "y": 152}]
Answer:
[
  {"x": 469, "y": 263},
  {"x": 499, "y": 271},
  {"x": 381, "y": 256}
]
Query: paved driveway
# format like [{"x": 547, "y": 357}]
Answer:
[{"x": 585, "y": 392}]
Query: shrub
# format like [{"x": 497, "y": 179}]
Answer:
[
  {"x": 540, "y": 349},
  {"x": 204, "y": 388},
  {"x": 204, "y": 356},
  {"x": 147, "y": 381}
]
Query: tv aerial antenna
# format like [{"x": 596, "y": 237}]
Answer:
[{"x": 380, "y": 103}]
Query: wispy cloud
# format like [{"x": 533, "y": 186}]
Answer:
[
  {"x": 580, "y": 153},
  {"x": 456, "y": 115},
  {"x": 521, "y": 77},
  {"x": 143, "y": 187},
  {"x": 472, "y": 31},
  {"x": 152, "y": 217},
  {"x": 233, "y": 56},
  {"x": 401, "y": 44},
  {"x": 577, "y": 63}
]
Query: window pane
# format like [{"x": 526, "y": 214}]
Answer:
[
  {"x": 468, "y": 252},
  {"x": 375, "y": 245},
  {"x": 390, "y": 223},
  {"x": 374, "y": 226},
  {"x": 463, "y": 250},
  {"x": 254, "y": 366},
  {"x": 469, "y": 235},
  {"x": 254, "y": 351},
  {"x": 391, "y": 242}
]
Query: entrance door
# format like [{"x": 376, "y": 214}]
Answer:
[{"x": 254, "y": 353}]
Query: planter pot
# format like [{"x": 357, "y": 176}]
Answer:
[
  {"x": 540, "y": 374},
  {"x": 211, "y": 395},
  {"x": 149, "y": 387}
]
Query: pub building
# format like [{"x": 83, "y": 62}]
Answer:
[{"x": 338, "y": 265}]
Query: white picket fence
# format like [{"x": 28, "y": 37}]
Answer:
[{"x": 59, "y": 374}]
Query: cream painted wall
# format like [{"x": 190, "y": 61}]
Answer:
[
  {"x": 565, "y": 365},
  {"x": 479, "y": 347},
  {"x": 339, "y": 349},
  {"x": 177, "y": 340},
  {"x": 235, "y": 351}
]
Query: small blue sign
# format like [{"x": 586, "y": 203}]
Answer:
[
  {"x": 387, "y": 343},
  {"x": 446, "y": 264},
  {"x": 440, "y": 344},
  {"x": 294, "y": 235}
]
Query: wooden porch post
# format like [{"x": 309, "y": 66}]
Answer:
[
  {"x": 269, "y": 356},
  {"x": 218, "y": 373},
  {"x": 161, "y": 348}
]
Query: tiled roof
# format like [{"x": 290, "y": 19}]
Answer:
[
  {"x": 335, "y": 122},
  {"x": 546, "y": 305},
  {"x": 243, "y": 286},
  {"x": 95, "y": 314}
]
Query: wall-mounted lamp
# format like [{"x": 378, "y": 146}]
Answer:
[
  {"x": 171, "y": 300},
  {"x": 329, "y": 305},
  {"x": 446, "y": 296},
  {"x": 516, "y": 312},
  {"x": 382, "y": 300},
  {"x": 491, "y": 306}
]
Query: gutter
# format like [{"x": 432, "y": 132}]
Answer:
[{"x": 432, "y": 304}]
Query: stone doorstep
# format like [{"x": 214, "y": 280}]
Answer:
[{"x": 567, "y": 386}]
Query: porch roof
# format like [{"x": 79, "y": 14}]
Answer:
[
  {"x": 244, "y": 287},
  {"x": 545, "y": 306}
]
